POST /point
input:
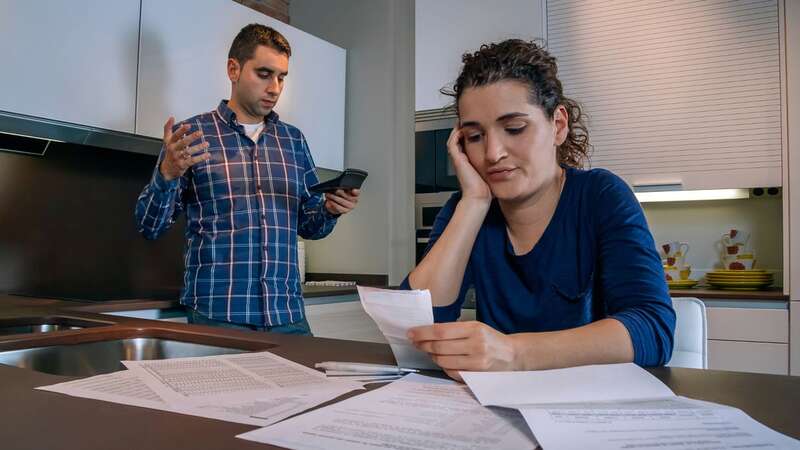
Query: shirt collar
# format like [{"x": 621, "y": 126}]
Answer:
[{"x": 230, "y": 117}]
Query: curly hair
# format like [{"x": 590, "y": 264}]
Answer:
[{"x": 528, "y": 62}]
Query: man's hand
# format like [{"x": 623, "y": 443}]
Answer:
[
  {"x": 472, "y": 346},
  {"x": 341, "y": 202},
  {"x": 178, "y": 155}
]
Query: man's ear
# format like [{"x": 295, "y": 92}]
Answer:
[
  {"x": 234, "y": 70},
  {"x": 560, "y": 124}
]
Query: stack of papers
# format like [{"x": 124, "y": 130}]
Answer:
[
  {"x": 251, "y": 388},
  {"x": 416, "y": 412},
  {"x": 617, "y": 406},
  {"x": 395, "y": 312}
]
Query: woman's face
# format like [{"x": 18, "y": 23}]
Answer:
[{"x": 510, "y": 142}]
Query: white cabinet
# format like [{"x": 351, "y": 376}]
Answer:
[
  {"x": 748, "y": 339},
  {"x": 445, "y": 29},
  {"x": 663, "y": 87},
  {"x": 182, "y": 71},
  {"x": 73, "y": 61}
]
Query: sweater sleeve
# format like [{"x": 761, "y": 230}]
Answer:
[
  {"x": 452, "y": 312},
  {"x": 631, "y": 277}
]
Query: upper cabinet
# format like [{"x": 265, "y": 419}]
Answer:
[
  {"x": 677, "y": 93},
  {"x": 446, "y": 29},
  {"x": 182, "y": 71},
  {"x": 73, "y": 61}
]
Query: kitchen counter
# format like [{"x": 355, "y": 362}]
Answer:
[
  {"x": 36, "y": 419},
  {"x": 703, "y": 293}
]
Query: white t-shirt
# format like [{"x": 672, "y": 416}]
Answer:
[{"x": 253, "y": 130}]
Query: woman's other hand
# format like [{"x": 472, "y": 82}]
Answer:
[
  {"x": 472, "y": 185},
  {"x": 472, "y": 346}
]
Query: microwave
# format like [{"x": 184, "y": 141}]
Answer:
[{"x": 427, "y": 207}]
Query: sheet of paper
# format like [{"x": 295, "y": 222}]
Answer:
[
  {"x": 117, "y": 387},
  {"x": 416, "y": 412},
  {"x": 124, "y": 387},
  {"x": 677, "y": 423},
  {"x": 226, "y": 378},
  {"x": 596, "y": 383},
  {"x": 395, "y": 312}
]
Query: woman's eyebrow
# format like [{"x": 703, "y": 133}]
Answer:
[
  {"x": 511, "y": 116},
  {"x": 507, "y": 116}
]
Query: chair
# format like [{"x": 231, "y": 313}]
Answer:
[{"x": 691, "y": 334}]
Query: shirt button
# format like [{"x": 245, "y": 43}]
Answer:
[{"x": 258, "y": 186}]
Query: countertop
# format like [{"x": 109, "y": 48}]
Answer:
[
  {"x": 37, "y": 419},
  {"x": 710, "y": 293}
]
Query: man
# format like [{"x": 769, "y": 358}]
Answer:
[{"x": 242, "y": 176}]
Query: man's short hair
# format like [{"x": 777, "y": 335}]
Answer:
[{"x": 245, "y": 43}]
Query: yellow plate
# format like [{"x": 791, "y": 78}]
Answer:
[
  {"x": 750, "y": 277},
  {"x": 738, "y": 279},
  {"x": 681, "y": 284},
  {"x": 752, "y": 271}
]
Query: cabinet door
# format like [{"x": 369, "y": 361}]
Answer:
[
  {"x": 184, "y": 52},
  {"x": 446, "y": 179},
  {"x": 73, "y": 61},
  {"x": 425, "y": 162}
]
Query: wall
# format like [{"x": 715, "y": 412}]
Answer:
[
  {"x": 445, "y": 29},
  {"x": 67, "y": 227},
  {"x": 701, "y": 224},
  {"x": 378, "y": 237}
]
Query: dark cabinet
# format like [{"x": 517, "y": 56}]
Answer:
[
  {"x": 434, "y": 170},
  {"x": 425, "y": 162}
]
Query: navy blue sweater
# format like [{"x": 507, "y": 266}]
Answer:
[{"x": 596, "y": 259}]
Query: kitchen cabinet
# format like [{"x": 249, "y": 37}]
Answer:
[
  {"x": 446, "y": 29},
  {"x": 434, "y": 170},
  {"x": 794, "y": 338},
  {"x": 749, "y": 339},
  {"x": 72, "y": 61},
  {"x": 668, "y": 103},
  {"x": 425, "y": 162},
  {"x": 182, "y": 72}
]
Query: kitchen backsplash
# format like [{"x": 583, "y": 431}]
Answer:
[
  {"x": 702, "y": 223},
  {"x": 67, "y": 226}
]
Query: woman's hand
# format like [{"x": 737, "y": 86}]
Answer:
[
  {"x": 472, "y": 185},
  {"x": 472, "y": 346}
]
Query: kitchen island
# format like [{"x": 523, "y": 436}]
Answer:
[{"x": 43, "y": 420}]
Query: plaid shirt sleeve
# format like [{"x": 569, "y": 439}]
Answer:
[
  {"x": 314, "y": 219},
  {"x": 159, "y": 204}
]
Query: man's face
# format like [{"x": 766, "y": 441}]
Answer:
[{"x": 258, "y": 84}]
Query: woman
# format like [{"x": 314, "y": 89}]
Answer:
[{"x": 563, "y": 264}]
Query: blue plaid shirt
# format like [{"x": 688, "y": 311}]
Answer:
[{"x": 245, "y": 207}]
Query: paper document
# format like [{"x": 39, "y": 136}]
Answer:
[
  {"x": 416, "y": 412},
  {"x": 596, "y": 383},
  {"x": 124, "y": 387},
  {"x": 118, "y": 387},
  {"x": 184, "y": 381},
  {"x": 678, "y": 423},
  {"x": 395, "y": 312},
  {"x": 618, "y": 406}
]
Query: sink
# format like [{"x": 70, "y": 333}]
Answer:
[
  {"x": 45, "y": 324},
  {"x": 94, "y": 358}
]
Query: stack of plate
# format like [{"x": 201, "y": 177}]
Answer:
[{"x": 739, "y": 280}]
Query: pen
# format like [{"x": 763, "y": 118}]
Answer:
[{"x": 362, "y": 367}]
